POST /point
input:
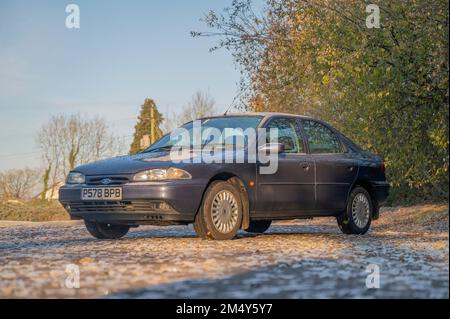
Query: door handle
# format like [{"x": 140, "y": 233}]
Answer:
[{"x": 351, "y": 168}]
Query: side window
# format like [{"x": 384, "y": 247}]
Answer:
[
  {"x": 320, "y": 138},
  {"x": 288, "y": 134}
]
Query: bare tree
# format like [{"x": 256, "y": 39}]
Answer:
[
  {"x": 51, "y": 142},
  {"x": 170, "y": 122},
  {"x": 68, "y": 141},
  {"x": 202, "y": 104},
  {"x": 18, "y": 183}
]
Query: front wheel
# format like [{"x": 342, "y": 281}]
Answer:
[
  {"x": 358, "y": 215},
  {"x": 106, "y": 231},
  {"x": 220, "y": 216}
]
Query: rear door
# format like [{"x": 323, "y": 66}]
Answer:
[
  {"x": 335, "y": 169},
  {"x": 290, "y": 190}
]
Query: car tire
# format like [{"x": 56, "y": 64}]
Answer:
[
  {"x": 221, "y": 211},
  {"x": 259, "y": 226},
  {"x": 358, "y": 215},
  {"x": 106, "y": 231},
  {"x": 200, "y": 225}
]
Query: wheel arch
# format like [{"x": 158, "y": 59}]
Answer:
[
  {"x": 364, "y": 183},
  {"x": 239, "y": 184}
]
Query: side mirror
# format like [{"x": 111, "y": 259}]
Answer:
[{"x": 273, "y": 148}]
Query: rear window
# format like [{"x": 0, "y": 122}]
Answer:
[{"x": 320, "y": 138}]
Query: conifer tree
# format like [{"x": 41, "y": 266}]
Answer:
[{"x": 144, "y": 125}]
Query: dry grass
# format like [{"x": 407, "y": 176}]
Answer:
[
  {"x": 426, "y": 216},
  {"x": 34, "y": 210}
]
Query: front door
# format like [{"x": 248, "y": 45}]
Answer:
[{"x": 290, "y": 190}]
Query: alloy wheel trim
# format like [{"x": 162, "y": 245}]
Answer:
[
  {"x": 360, "y": 210},
  {"x": 224, "y": 211}
]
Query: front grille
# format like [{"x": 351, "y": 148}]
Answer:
[
  {"x": 119, "y": 206},
  {"x": 112, "y": 180}
]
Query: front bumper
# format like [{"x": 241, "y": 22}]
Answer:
[{"x": 142, "y": 203}]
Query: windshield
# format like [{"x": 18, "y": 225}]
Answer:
[{"x": 209, "y": 125}]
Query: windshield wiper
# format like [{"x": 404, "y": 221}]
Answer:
[
  {"x": 168, "y": 147},
  {"x": 161, "y": 148}
]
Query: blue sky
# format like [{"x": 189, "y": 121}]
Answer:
[{"x": 124, "y": 52}]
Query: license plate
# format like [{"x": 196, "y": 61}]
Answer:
[{"x": 101, "y": 193}]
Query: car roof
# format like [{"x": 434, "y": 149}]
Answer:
[{"x": 263, "y": 114}]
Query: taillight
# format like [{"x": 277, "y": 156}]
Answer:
[{"x": 382, "y": 168}]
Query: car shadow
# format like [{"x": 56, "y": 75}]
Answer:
[
  {"x": 308, "y": 278},
  {"x": 280, "y": 280},
  {"x": 167, "y": 232}
]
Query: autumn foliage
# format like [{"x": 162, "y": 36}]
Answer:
[{"x": 386, "y": 88}]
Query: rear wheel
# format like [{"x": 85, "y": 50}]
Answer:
[
  {"x": 358, "y": 215},
  {"x": 220, "y": 216},
  {"x": 259, "y": 226},
  {"x": 106, "y": 231}
]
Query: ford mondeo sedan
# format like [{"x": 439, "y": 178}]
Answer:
[{"x": 319, "y": 172}]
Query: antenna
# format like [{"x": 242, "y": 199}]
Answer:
[
  {"x": 232, "y": 103},
  {"x": 225, "y": 113}
]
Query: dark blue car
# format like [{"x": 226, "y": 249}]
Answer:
[{"x": 319, "y": 173}]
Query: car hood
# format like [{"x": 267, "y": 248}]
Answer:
[
  {"x": 127, "y": 164},
  {"x": 131, "y": 164}
]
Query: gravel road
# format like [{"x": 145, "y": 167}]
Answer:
[{"x": 298, "y": 259}]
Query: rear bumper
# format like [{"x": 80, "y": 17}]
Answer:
[
  {"x": 140, "y": 204},
  {"x": 380, "y": 191}
]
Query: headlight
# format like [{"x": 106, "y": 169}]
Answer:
[
  {"x": 75, "y": 178},
  {"x": 159, "y": 174}
]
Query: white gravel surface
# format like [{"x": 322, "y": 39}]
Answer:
[{"x": 299, "y": 259}]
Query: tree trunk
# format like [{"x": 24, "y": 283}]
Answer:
[{"x": 45, "y": 180}]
